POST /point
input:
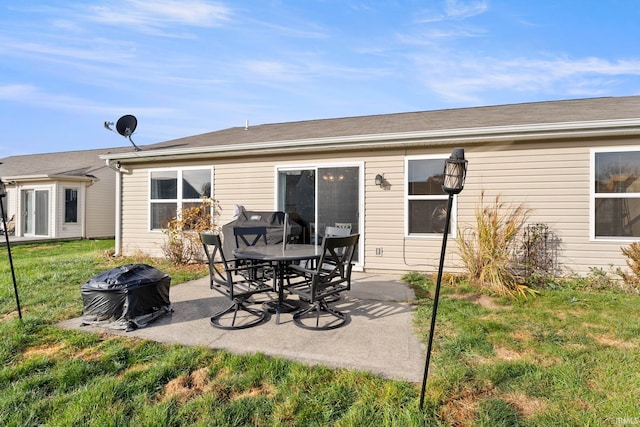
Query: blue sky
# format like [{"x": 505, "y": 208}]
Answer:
[{"x": 186, "y": 67}]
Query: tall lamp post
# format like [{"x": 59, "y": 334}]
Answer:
[
  {"x": 455, "y": 172},
  {"x": 3, "y": 194}
]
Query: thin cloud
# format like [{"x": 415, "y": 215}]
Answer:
[
  {"x": 161, "y": 13},
  {"x": 434, "y": 36},
  {"x": 467, "y": 79},
  {"x": 100, "y": 51},
  {"x": 453, "y": 9},
  {"x": 463, "y": 9},
  {"x": 296, "y": 32},
  {"x": 33, "y": 96}
]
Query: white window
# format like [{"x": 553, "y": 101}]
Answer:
[
  {"x": 615, "y": 192},
  {"x": 70, "y": 205},
  {"x": 426, "y": 203},
  {"x": 174, "y": 189}
]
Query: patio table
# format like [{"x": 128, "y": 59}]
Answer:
[{"x": 280, "y": 255}]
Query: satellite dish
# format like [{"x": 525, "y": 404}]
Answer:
[{"x": 125, "y": 126}]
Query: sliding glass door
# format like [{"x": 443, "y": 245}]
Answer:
[
  {"x": 35, "y": 212},
  {"x": 321, "y": 197}
]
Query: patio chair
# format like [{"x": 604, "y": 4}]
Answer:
[
  {"x": 330, "y": 277},
  {"x": 250, "y": 236},
  {"x": 330, "y": 231},
  {"x": 11, "y": 226},
  {"x": 233, "y": 282}
]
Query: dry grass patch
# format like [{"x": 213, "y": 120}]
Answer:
[
  {"x": 89, "y": 354},
  {"x": 463, "y": 410},
  {"x": 522, "y": 336},
  {"x": 199, "y": 382},
  {"x": 49, "y": 350},
  {"x": 612, "y": 342},
  {"x": 506, "y": 354},
  {"x": 526, "y": 405},
  {"x": 12, "y": 315},
  {"x": 186, "y": 387},
  {"x": 263, "y": 390},
  {"x": 134, "y": 369},
  {"x": 482, "y": 300},
  {"x": 42, "y": 248}
]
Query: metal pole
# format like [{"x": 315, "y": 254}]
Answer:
[
  {"x": 13, "y": 273},
  {"x": 435, "y": 300}
]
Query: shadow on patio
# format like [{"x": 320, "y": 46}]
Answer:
[{"x": 379, "y": 337}]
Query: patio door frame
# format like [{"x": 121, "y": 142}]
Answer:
[
  {"x": 35, "y": 211},
  {"x": 359, "y": 262}
]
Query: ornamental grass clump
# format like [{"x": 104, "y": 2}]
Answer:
[
  {"x": 487, "y": 249},
  {"x": 631, "y": 279}
]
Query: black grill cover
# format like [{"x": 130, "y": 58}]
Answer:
[
  {"x": 126, "y": 297},
  {"x": 273, "y": 221}
]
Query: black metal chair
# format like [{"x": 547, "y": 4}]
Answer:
[
  {"x": 251, "y": 236},
  {"x": 235, "y": 283},
  {"x": 331, "y": 276}
]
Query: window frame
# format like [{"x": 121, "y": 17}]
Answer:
[
  {"x": 77, "y": 190},
  {"x": 593, "y": 195},
  {"x": 179, "y": 200},
  {"x": 409, "y": 197},
  {"x": 316, "y": 166}
]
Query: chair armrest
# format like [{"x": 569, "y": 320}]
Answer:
[
  {"x": 236, "y": 268},
  {"x": 302, "y": 270}
]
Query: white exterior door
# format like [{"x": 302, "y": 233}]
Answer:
[{"x": 35, "y": 212}]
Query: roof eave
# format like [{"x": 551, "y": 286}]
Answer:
[
  {"x": 619, "y": 127},
  {"x": 49, "y": 177}
]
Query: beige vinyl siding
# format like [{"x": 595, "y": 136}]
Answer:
[
  {"x": 551, "y": 178},
  {"x": 250, "y": 184},
  {"x": 101, "y": 205},
  {"x": 553, "y": 181},
  {"x": 135, "y": 217}
]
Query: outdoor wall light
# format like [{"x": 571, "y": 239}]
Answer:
[
  {"x": 455, "y": 172},
  {"x": 379, "y": 180}
]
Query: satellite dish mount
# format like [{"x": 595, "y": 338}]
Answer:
[{"x": 125, "y": 126}]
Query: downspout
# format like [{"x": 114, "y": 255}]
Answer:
[
  {"x": 118, "y": 231},
  {"x": 84, "y": 211}
]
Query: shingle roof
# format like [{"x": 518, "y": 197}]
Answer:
[
  {"x": 578, "y": 110},
  {"x": 68, "y": 163}
]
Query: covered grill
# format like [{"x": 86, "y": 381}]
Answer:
[{"x": 126, "y": 297}]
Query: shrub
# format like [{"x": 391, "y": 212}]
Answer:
[
  {"x": 183, "y": 232},
  {"x": 487, "y": 249},
  {"x": 632, "y": 279}
]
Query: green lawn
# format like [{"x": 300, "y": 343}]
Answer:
[{"x": 567, "y": 357}]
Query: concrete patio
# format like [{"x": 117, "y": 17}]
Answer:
[{"x": 379, "y": 337}]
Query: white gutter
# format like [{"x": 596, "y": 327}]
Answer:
[
  {"x": 41, "y": 177},
  {"x": 403, "y": 139}
]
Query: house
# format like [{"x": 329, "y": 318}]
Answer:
[
  {"x": 573, "y": 163},
  {"x": 64, "y": 195}
]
